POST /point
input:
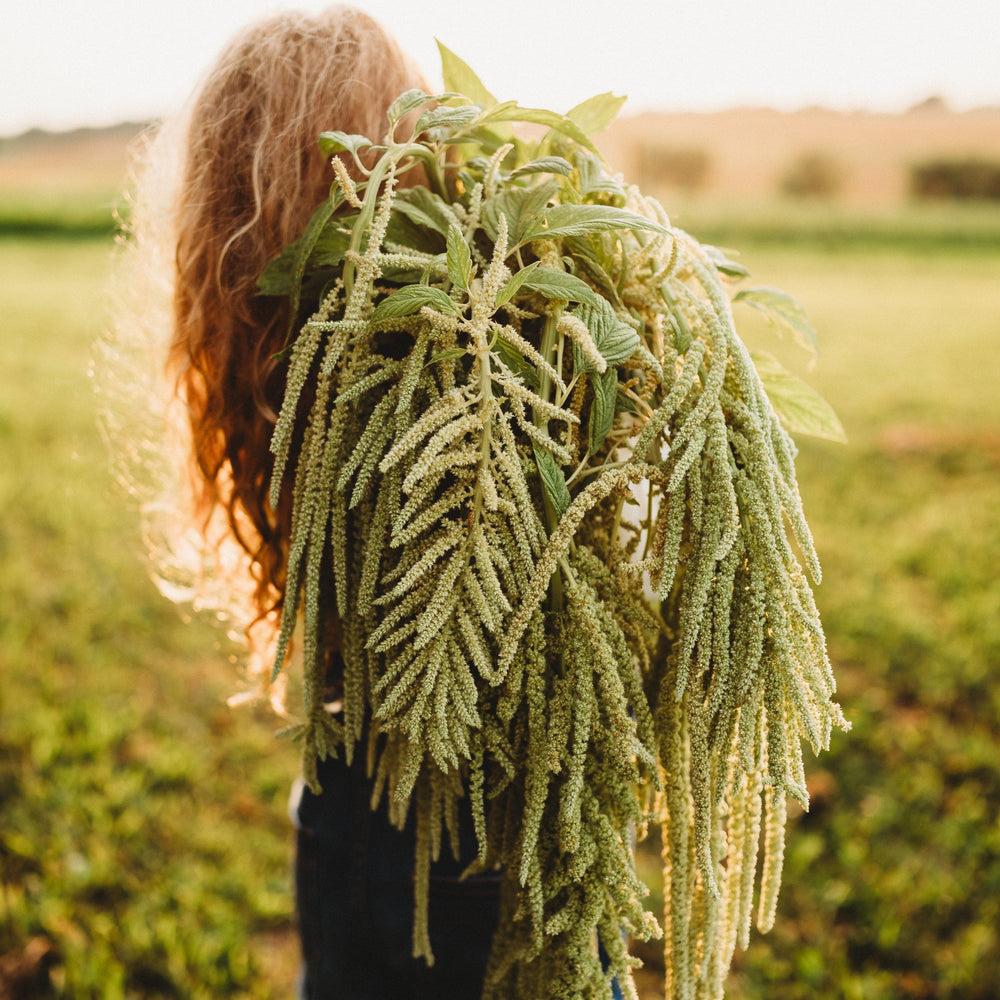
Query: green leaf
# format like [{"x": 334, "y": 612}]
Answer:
[
  {"x": 579, "y": 220},
  {"x": 511, "y": 111},
  {"x": 425, "y": 208},
  {"x": 617, "y": 341},
  {"x": 473, "y": 171},
  {"x": 484, "y": 140},
  {"x": 586, "y": 251},
  {"x": 596, "y": 113},
  {"x": 413, "y": 232},
  {"x": 296, "y": 732},
  {"x": 552, "y": 478},
  {"x": 602, "y": 409},
  {"x": 723, "y": 264},
  {"x": 329, "y": 251},
  {"x": 516, "y": 282},
  {"x": 556, "y": 284},
  {"x": 459, "y": 259},
  {"x": 276, "y": 278},
  {"x": 524, "y": 209},
  {"x": 337, "y": 142},
  {"x": 332, "y": 245},
  {"x": 799, "y": 407},
  {"x": 681, "y": 332},
  {"x": 446, "y": 118},
  {"x": 450, "y": 354},
  {"x": 731, "y": 269},
  {"x": 595, "y": 181},
  {"x": 785, "y": 312},
  {"x": 406, "y": 103},
  {"x": 516, "y": 362},
  {"x": 545, "y": 165},
  {"x": 410, "y": 299},
  {"x": 460, "y": 77},
  {"x": 302, "y": 248}
]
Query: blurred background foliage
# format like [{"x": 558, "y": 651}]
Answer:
[{"x": 144, "y": 845}]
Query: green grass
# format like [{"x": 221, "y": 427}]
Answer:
[
  {"x": 922, "y": 228},
  {"x": 72, "y": 214},
  {"x": 143, "y": 821},
  {"x": 144, "y": 827}
]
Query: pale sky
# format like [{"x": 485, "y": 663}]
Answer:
[{"x": 93, "y": 62}]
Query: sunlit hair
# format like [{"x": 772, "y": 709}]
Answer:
[{"x": 220, "y": 190}]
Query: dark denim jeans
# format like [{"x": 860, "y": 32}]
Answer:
[
  {"x": 354, "y": 888},
  {"x": 354, "y": 885}
]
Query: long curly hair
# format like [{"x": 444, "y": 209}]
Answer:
[{"x": 220, "y": 190}]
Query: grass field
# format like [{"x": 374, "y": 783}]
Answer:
[{"x": 144, "y": 830}]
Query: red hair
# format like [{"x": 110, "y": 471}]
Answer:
[{"x": 252, "y": 175}]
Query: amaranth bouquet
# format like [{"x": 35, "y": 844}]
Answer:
[{"x": 541, "y": 494}]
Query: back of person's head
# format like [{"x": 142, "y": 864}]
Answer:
[{"x": 249, "y": 173}]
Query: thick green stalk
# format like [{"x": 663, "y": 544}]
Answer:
[
  {"x": 382, "y": 168},
  {"x": 550, "y": 338}
]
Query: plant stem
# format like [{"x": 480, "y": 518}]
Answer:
[
  {"x": 362, "y": 226},
  {"x": 386, "y": 163},
  {"x": 550, "y": 336}
]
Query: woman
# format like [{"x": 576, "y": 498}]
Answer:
[
  {"x": 224, "y": 188},
  {"x": 702, "y": 711}
]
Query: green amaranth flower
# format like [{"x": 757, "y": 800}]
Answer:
[{"x": 540, "y": 484}]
